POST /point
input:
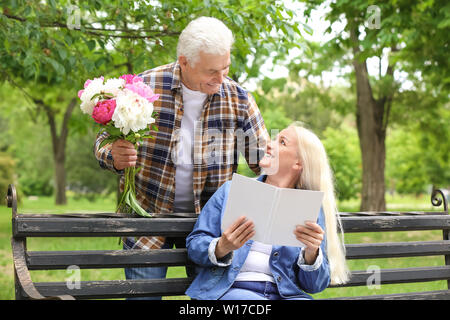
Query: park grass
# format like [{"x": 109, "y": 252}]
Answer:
[{"x": 107, "y": 204}]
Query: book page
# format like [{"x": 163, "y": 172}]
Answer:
[
  {"x": 274, "y": 211},
  {"x": 251, "y": 198},
  {"x": 294, "y": 206}
]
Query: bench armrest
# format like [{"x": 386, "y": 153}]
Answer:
[{"x": 23, "y": 277}]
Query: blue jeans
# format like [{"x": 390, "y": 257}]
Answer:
[
  {"x": 151, "y": 272},
  {"x": 256, "y": 290}
]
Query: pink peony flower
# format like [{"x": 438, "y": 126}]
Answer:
[
  {"x": 86, "y": 84},
  {"x": 143, "y": 90},
  {"x": 88, "y": 81},
  {"x": 131, "y": 78},
  {"x": 103, "y": 111}
]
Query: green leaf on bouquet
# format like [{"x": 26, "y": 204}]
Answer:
[
  {"x": 127, "y": 198},
  {"x": 113, "y": 131},
  {"x": 132, "y": 202},
  {"x": 131, "y": 138},
  {"x": 107, "y": 140},
  {"x": 154, "y": 127},
  {"x": 102, "y": 95},
  {"x": 95, "y": 96}
]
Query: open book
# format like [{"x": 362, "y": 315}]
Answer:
[{"x": 274, "y": 211}]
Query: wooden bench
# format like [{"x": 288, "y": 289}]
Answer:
[{"x": 25, "y": 226}]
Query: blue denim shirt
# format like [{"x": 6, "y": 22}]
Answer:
[{"x": 215, "y": 277}]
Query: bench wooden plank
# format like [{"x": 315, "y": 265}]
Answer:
[
  {"x": 397, "y": 249},
  {"x": 428, "y": 295},
  {"x": 117, "y": 288},
  {"x": 94, "y": 259},
  {"x": 101, "y": 227},
  {"x": 392, "y": 213},
  {"x": 104, "y": 227},
  {"x": 161, "y": 287},
  {"x": 400, "y": 275},
  {"x": 193, "y": 215},
  {"x": 396, "y": 223}
]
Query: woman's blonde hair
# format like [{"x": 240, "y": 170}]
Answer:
[{"x": 317, "y": 175}]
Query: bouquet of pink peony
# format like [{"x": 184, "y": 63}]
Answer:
[{"x": 124, "y": 108}]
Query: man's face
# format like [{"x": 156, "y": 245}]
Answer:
[{"x": 207, "y": 74}]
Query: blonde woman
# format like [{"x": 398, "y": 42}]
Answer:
[{"x": 233, "y": 267}]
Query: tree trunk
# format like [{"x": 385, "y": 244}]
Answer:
[
  {"x": 371, "y": 121},
  {"x": 59, "y": 147},
  {"x": 373, "y": 152},
  {"x": 60, "y": 177}
]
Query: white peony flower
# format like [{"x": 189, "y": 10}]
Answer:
[
  {"x": 113, "y": 86},
  {"x": 94, "y": 87},
  {"x": 132, "y": 112}
]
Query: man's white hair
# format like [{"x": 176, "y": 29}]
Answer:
[{"x": 205, "y": 34}]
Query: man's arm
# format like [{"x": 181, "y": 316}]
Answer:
[
  {"x": 104, "y": 155},
  {"x": 256, "y": 135}
]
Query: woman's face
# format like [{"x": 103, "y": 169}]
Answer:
[{"x": 281, "y": 155}]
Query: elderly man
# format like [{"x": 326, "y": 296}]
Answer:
[{"x": 205, "y": 119}]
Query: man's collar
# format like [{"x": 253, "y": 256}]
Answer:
[{"x": 176, "y": 76}]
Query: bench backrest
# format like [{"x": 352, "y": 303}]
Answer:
[{"x": 112, "y": 225}]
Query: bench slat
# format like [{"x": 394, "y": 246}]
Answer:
[
  {"x": 93, "y": 259},
  {"x": 99, "y": 227},
  {"x": 429, "y": 295},
  {"x": 392, "y": 213},
  {"x": 117, "y": 288},
  {"x": 397, "y": 249},
  {"x": 193, "y": 215},
  {"x": 395, "y": 223},
  {"x": 102, "y": 227},
  {"x": 158, "y": 287},
  {"x": 401, "y": 275}
]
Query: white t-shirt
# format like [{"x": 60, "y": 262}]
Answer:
[
  {"x": 256, "y": 266},
  {"x": 184, "y": 193}
]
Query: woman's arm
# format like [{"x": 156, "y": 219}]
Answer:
[
  {"x": 206, "y": 229},
  {"x": 206, "y": 244},
  {"x": 314, "y": 273},
  {"x": 235, "y": 236}
]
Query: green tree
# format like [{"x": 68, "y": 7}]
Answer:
[
  {"x": 344, "y": 155},
  {"x": 421, "y": 140},
  {"x": 405, "y": 168},
  {"x": 412, "y": 37},
  {"x": 315, "y": 105}
]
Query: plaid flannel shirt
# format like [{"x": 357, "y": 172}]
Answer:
[{"x": 230, "y": 124}]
